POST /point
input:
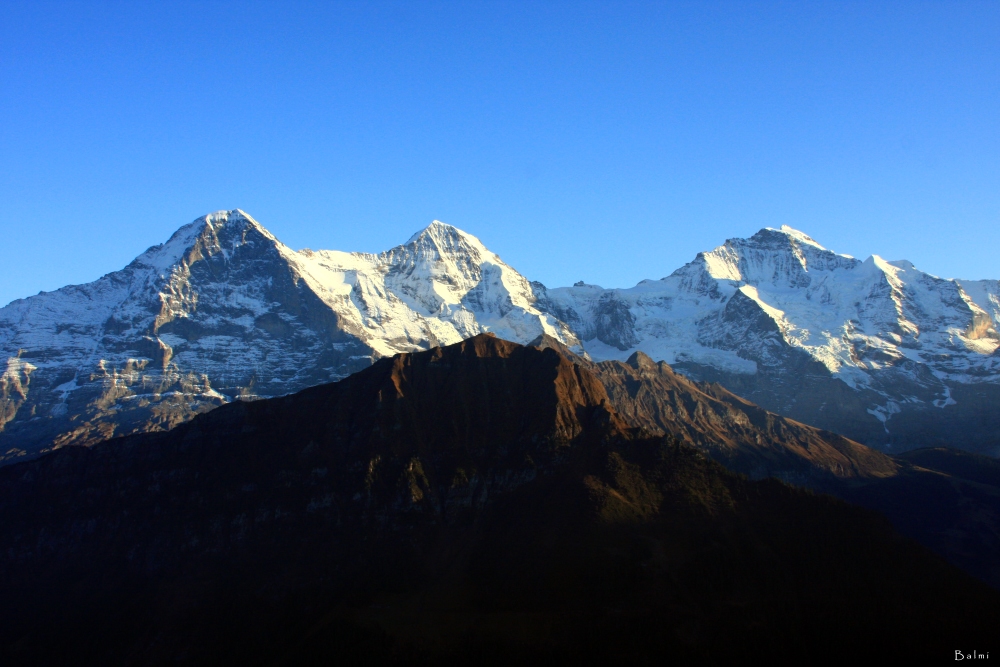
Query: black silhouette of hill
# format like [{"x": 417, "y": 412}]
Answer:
[{"x": 482, "y": 502}]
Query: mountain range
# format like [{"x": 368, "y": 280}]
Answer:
[{"x": 876, "y": 351}]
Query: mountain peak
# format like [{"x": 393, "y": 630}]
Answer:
[
  {"x": 441, "y": 232},
  {"x": 221, "y": 218},
  {"x": 440, "y": 241},
  {"x": 214, "y": 225},
  {"x": 546, "y": 341},
  {"x": 641, "y": 361},
  {"x": 793, "y": 233},
  {"x": 436, "y": 228},
  {"x": 234, "y": 219}
]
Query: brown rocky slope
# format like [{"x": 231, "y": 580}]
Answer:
[
  {"x": 742, "y": 436},
  {"x": 946, "y": 499}
]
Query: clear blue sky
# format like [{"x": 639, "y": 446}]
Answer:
[{"x": 605, "y": 142}]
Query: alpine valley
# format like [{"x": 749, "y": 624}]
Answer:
[{"x": 877, "y": 351}]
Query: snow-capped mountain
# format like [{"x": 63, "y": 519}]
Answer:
[
  {"x": 223, "y": 310},
  {"x": 879, "y": 351}
]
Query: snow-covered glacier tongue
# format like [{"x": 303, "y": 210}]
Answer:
[
  {"x": 878, "y": 351},
  {"x": 224, "y": 311}
]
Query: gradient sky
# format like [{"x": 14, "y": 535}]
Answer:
[{"x": 606, "y": 142}]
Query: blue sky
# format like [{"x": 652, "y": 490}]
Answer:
[{"x": 606, "y": 142}]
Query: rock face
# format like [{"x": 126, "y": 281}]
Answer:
[
  {"x": 225, "y": 311},
  {"x": 877, "y": 351},
  {"x": 481, "y": 502}
]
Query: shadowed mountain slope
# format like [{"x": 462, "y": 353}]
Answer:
[
  {"x": 742, "y": 436},
  {"x": 478, "y": 502},
  {"x": 947, "y": 500}
]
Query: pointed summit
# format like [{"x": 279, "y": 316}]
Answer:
[
  {"x": 784, "y": 235},
  {"x": 234, "y": 221},
  {"x": 435, "y": 228},
  {"x": 205, "y": 236},
  {"x": 441, "y": 249},
  {"x": 446, "y": 236},
  {"x": 802, "y": 237},
  {"x": 546, "y": 342}
]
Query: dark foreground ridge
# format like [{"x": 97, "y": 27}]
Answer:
[
  {"x": 742, "y": 436},
  {"x": 478, "y": 503},
  {"x": 945, "y": 498}
]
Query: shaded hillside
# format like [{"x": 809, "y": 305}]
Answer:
[
  {"x": 946, "y": 499},
  {"x": 949, "y": 500},
  {"x": 479, "y": 502},
  {"x": 742, "y": 436},
  {"x": 734, "y": 431},
  {"x": 966, "y": 465}
]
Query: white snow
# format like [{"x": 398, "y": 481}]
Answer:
[
  {"x": 801, "y": 237},
  {"x": 439, "y": 287},
  {"x": 858, "y": 319}
]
